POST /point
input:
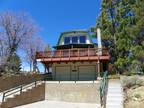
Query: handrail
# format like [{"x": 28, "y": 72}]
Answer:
[
  {"x": 103, "y": 89},
  {"x": 17, "y": 89}
]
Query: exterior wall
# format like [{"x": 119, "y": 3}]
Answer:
[
  {"x": 74, "y": 34},
  {"x": 74, "y": 71}
]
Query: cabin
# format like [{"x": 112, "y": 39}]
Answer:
[{"x": 75, "y": 57}]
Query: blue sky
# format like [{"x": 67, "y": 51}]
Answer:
[{"x": 56, "y": 16}]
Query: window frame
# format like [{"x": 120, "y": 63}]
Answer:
[
  {"x": 74, "y": 42},
  {"x": 81, "y": 40},
  {"x": 65, "y": 43}
]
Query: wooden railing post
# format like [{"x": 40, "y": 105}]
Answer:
[
  {"x": 60, "y": 53},
  {"x": 78, "y": 53},
  {"x": 88, "y": 52},
  {"x": 69, "y": 53}
]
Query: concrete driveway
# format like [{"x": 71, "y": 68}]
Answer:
[{"x": 58, "y": 104}]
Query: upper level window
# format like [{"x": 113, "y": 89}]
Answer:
[
  {"x": 74, "y": 39},
  {"x": 82, "y": 39},
  {"x": 67, "y": 40}
]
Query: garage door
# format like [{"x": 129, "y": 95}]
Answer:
[
  {"x": 63, "y": 73},
  {"x": 87, "y": 73}
]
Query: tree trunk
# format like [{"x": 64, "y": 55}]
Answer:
[
  {"x": 34, "y": 65},
  {"x": 30, "y": 67}
]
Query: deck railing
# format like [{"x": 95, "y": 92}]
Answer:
[{"x": 76, "y": 52}]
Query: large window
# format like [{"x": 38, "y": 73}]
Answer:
[
  {"x": 75, "y": 40},
  {"x": 82, "y": 39},
  {"x": 67, "y": 40}
]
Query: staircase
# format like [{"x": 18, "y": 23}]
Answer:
[
  {"x": 30, "y": 95},
  {"x": 114, "y": 94}
]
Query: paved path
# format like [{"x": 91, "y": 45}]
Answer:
[
  {"x": 58, "y": 104},
  {"x": 115, "y": 94}
]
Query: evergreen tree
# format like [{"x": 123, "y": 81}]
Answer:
[
  {"x": 121, "y": 24},
  {"x": 137, "y": 34},
  {"x": 14, "y": 64}
]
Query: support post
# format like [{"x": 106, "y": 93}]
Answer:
[
  {"x": 45, "y": 69},
  {"x": 98, "y": 68},
  {"x": 46, "y": 65}
]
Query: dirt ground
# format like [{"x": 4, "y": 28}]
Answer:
[{"x": 134, "y": 97}]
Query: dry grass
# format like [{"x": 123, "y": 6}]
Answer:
[{"x": 134, "y": 91}]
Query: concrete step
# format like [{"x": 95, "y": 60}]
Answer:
[
  {"x": 110, "y": 89},
  {"x": 116, "y": 83},
  {"x": 116, "y": 90},
  {"x": 119, "y": 101},
  {"x": 114, "y": 106},
  {"x": 113, "y": 86},
  {"x": 114, "y": 96}
]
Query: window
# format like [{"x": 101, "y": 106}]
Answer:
[
  {"x": 82, "y": 39},
  {"x": 67, "y": 40},
  {"x": 74, "y": 39}
]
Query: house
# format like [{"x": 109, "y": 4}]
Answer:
[{"x": 75, "y": 57}]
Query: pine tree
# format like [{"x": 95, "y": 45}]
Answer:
[
  {"x": 121, "y": 24},
  {"x": 137, "y": 34},
  {"x": 14, "y": 64}
]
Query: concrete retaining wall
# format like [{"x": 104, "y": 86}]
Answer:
[
  {"x": 79, "y": 92},
  {"x": 73, "y": 92}
]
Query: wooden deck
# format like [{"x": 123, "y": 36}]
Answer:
[{"x": 83, "y": 54}]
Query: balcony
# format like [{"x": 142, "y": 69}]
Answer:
[{"x": 76, "y": 54}]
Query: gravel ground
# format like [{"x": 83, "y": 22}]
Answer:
[{"x": 58, "y": 104}]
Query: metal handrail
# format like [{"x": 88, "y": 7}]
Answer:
[
  {"x": 19, "y": 88},
  {"x": 103, "y": 89}
]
